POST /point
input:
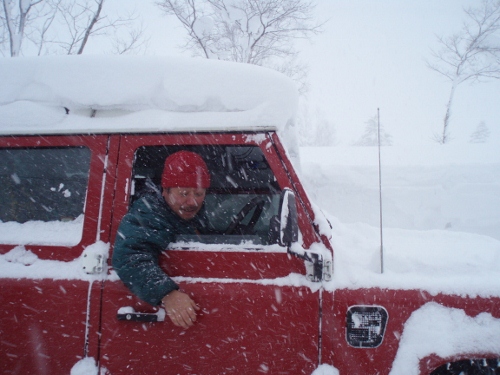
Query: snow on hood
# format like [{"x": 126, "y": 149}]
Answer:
[
  {"x": 427, "y": 332},
  {"x": 131, "y": 93}
]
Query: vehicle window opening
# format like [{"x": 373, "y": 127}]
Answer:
[
  {"x": 242, "y": 198},
  {"x": 45, "y": 185}
]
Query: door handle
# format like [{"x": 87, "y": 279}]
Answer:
[{"x": 129, "y": 314}]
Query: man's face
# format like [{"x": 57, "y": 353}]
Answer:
[{"x": 185, "y": 202}]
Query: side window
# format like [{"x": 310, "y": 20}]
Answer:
[
  {"x": 42, "y": 195},
  {"x": 242, "y": 198}
]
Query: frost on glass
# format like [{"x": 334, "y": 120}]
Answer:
[
  {"x": 241, "y": 183},
  {"x": 42, "y": 194}
]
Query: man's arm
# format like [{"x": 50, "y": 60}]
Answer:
[
  {"x": 136, "y": 263},
  {"x": 136, "y": 260},
  {"x": 143, "y": 234}
]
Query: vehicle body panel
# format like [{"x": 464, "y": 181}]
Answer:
[
  {"x": 400, "y": 305},
  {"x": 42, "y": 325}
]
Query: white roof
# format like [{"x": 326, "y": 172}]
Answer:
[{"x": 140, "y": 94}]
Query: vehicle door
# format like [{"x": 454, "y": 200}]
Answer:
[
  {"x": 50, "y": 200},
  {"x": 259, "y": 313}
]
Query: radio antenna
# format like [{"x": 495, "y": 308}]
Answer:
[{"x": 380, "y": 195}]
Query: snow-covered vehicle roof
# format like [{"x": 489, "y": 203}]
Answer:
[{"x": 103, "y": 94}]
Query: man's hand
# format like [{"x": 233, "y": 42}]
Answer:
[{"x": 180, "y": 308}]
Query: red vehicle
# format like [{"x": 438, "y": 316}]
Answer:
[{"x": 78, "y": 142}]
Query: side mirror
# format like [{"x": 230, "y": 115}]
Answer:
[
  {"x": 289, "y": 228},
  {"x": 285, "y": 231}
]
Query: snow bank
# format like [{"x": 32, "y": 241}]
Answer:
[
  {"x": 138, "y": 83},
  {"x": 409, "y": 155},
  {"x": 441, "y": 208},
  {"x": 437, "y": 261},
  {"x": 453, "y": 188},
  {"x": 427, "y": 332},
  {"x": 101, "y": 94}
]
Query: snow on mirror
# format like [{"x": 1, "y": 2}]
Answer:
[
  {"x": 288, "y": 232},
  {"x": 42, "y": 195}
]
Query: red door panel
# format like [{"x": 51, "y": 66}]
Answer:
[
  {"x": 257, "y": 316},
  {"x": 243, "y": 327},
  {"x": 247, "y": 265},
  {"x": 42, "y": 325}
]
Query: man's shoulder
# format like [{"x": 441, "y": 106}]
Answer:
[
  {"x": 148, "y": 202},
  {"x": 148, "y": 206}
]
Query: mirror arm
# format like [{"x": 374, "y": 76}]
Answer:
[{"x": 315, "y": 259}]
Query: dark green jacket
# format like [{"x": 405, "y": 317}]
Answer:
[{"x": 144, "y": 232}]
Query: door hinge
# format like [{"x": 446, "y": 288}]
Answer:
[
  {"x": 94, "y": 258},
  {"x": 92, "y": 263}
]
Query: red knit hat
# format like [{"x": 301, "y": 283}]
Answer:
[{"x": 185, "y": 169}]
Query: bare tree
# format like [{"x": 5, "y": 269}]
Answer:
[
  {"x": 38, "y": 36},
  {"x": 470, "y": 55},
  {"x": 3, "y": 29},
  {"x": 17, "y": 15},
  {"x": 259, "y": 32},
  {"x": 83, "y": 19},
  {"x": 295, "y": 70},
  {"x": 66, "y": 26},
  {"x": 94, "y": 18},
  {"x": 132, "y": 42}
]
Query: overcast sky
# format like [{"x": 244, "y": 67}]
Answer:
[{"x": 372, "y": 55}]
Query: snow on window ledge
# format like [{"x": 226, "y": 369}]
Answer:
[
  {"x": 21, "y": 263},
  {"x": 51, "y": 233}
]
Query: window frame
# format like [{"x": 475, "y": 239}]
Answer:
[
  {"x": 131, "y": 142},
  {"x": 235, "y": 183}
]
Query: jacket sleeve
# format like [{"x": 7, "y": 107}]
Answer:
[{"x": 139, "y": 242}]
